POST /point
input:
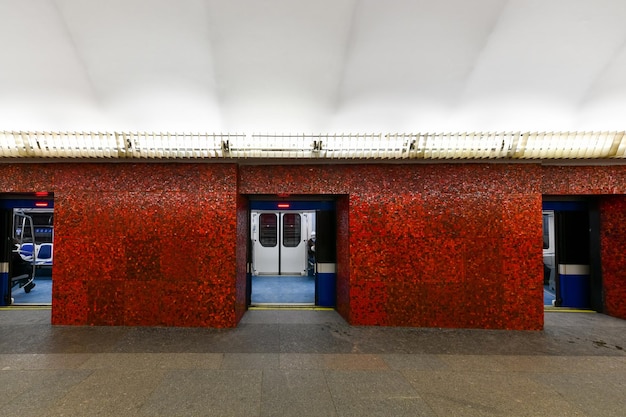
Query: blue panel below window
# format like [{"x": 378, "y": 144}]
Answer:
[
  {"x": 565, "y": 205},
  {"x": 325, "y": 289}
]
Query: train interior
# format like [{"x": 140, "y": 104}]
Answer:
[
  {"x": 571, "y": 254},
  {"x": 31, "y": 245}
]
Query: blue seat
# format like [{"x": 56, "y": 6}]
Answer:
[
  {"x": 26, "y": 251},
  {"x": 44, "y": 254}
]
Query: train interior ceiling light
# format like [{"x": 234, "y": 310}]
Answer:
[{"x": 412, "y": 146}]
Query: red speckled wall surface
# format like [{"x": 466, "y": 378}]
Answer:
[
  {"x": 343, "y": 255},
  {"x": 437, "y": 245},
  {"x": 583, "y": 180},
  {"x": 243, "y": 227},
  {"x": 140, "y": 244},
  {"x": 613, "y": 243},
  {"x": 429, "y": 245}
]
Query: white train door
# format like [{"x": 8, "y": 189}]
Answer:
[
  {"x": 279, "y": 242},
  {"x": 265, "y": 249},
  {"x": 292, "y": 244}
]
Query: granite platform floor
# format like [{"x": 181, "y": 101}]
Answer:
[{"x": 311, "y": 363}]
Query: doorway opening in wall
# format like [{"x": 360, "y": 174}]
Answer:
[
  {"x": 27, "y": 249},
  {"x": 291, "y": 254},
  {"x": 571, "y": 253}
]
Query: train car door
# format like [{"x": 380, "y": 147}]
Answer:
[
  {"x": 279, "y": 242},
  {"x": 292, "y": 244},
  {"x": 265, "y": 257}
]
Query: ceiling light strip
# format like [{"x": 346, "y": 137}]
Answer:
[{"x": 436, "y": 146}]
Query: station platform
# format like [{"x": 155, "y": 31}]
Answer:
[{"x": 293, "y": 362}]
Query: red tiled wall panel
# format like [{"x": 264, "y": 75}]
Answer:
[
  {"x": 613, "y": 254},
  {"x": 584, "y": 180},
  {"x": 429, "y": 245},
  {"x": 343, "y": 255},
  {"x": 420, "y": 245},
  {"x": 243, "y": 227},
  {"x": 140, "y": 244}
]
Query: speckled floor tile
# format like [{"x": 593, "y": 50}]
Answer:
[{"x": 290, "y": 363}]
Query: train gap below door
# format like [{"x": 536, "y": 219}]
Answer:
[
  {"x": 285, "y": 268},
  {"x": 27, "y": 249}
]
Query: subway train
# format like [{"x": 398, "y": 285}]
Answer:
[
  {"x": 283, "y": 241},
  {"x": 292, "y": 252}
]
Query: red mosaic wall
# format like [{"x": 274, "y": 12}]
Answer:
[
  {"x": 584, "y": 180},
  {"x": 613, "y": 243},
  {"x": 139, "y": 244},
  {"x": 243, "y": 227},
  {"x": 417, "y": 236},
  {"x": 441, "y": 245},
  {"x": 342, "y": 206}
]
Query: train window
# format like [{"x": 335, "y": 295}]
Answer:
[
  {"x": 292, "y": 231},
  {"x": 548, "y": 231},
  {"x": 268, "y": 230}
]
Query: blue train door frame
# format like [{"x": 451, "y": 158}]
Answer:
[
  {"x": 325, "y": 245},
  {"x": 9, "y": 202},
  {"x": 577, "y": 267},
  {"x": 326, "y": 258}
]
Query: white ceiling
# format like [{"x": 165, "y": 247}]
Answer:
[{"x": 295, "y": 66}]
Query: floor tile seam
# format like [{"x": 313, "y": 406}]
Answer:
[
  {"x": 27, "y": 395},
  {"x": 545, "y": 369},
  {"x": 425, "y": 398},
  {"x": 333, "y": 399},
  {"x": 487, "y": 372},
  {"x": 504, "y": 358},
  {"x": 69, "y": 392},
  {"x": 415, "y": 393},
  {"x": 137, "y": 406},
  {"x": 111, "y": 355},
  {"x": 320, "y": 361},
  {"x": 149, "y": 395},
  {"x": 321, "y": 372},
  {"x": 42, "y": 357}
]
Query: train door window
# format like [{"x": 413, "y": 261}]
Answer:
[
  {"x": 268, "y": 230},
  {"x": 292, "y": 230},
  {"x": 548, "y": 231}
]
